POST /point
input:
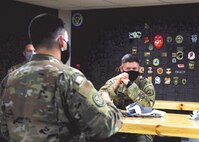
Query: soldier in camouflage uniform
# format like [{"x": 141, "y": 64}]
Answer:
[
  {"x": 131, "y": 88},
  {"x": 47, "y": 101},
  {"x": 29, "y": 50}
]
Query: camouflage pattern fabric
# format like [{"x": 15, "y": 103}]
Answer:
[
  {"x": 16, "y": 67},
  {"x": 141, "y": 91},
  {"x": 41, "y": 99}
]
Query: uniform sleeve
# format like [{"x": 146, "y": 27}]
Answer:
[
  {"x": 108, "y": 87},
  {"x": 93, "y": 115},
  {"x": 3, "y": 125},
  {"x": 15, "y": 67},
  {"x": 145, "y": 96}
]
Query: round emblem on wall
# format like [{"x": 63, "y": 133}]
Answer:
[
  {"x": 191, "y": 55},
  {"x": 158, "y": 41},
  {"x": 150, "y": 47},
  {"x": 174, "y": 60},
  {"x": 156, "y": 62},
  {"x": 169, "y": 39},
  {"x": 179, "y": 39},
  {"x": 184, "y": 81},
  {"x": 77, "y": 19},
  {"x": 179, "y": 55},
  {"x": 159, "y": 70}
]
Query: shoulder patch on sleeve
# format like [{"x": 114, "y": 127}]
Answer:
[
  {"x": 98, "y": 100},
  {"x": 79, "y": 79}
]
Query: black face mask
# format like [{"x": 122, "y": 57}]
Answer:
[
  {"x": 65, "y": 55},
  {"x": 133, "y": 75}
]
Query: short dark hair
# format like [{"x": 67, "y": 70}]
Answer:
[
  {"x": 129, "y": 58},
  {"x": 44, "y": 28}
]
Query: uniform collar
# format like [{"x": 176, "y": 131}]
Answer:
[{"x": 44, "y": 57}]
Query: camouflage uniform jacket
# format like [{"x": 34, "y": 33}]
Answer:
[
  {"x": 16, "y": 66},
  {"x": 141, "y": 91},
  {"x": 47, "y": 101}
]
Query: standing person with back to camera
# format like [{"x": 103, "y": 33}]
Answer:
[{"x": 47, "y": 101}]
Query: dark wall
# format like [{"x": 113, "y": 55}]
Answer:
[
  {"x": 103, "y": 38},
  {"x": 15, "y": 17}
]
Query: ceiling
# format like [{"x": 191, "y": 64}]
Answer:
[{"x": 101, "y": 4}]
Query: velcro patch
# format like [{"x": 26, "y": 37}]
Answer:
[
  {"x": 79, "y": 80},
  {"x": 98, "y": 100}
]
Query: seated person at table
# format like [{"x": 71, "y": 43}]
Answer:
[{"x": 130, "y": 87}]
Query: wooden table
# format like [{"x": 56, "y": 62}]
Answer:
[
  {"x": 176, "y": 105},
  {"x": 176, "y": 125}
]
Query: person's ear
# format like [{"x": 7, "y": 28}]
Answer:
[
  {"x": 121, "y": 69},
  {"x": 61, "y": 41}
]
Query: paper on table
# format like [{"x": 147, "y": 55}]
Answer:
[{"x": 136, "y": 109}]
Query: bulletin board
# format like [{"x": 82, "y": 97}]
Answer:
[{"x": 172, "y": 67}]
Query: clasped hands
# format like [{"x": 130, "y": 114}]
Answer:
[{"x": 121, "y": 78}]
